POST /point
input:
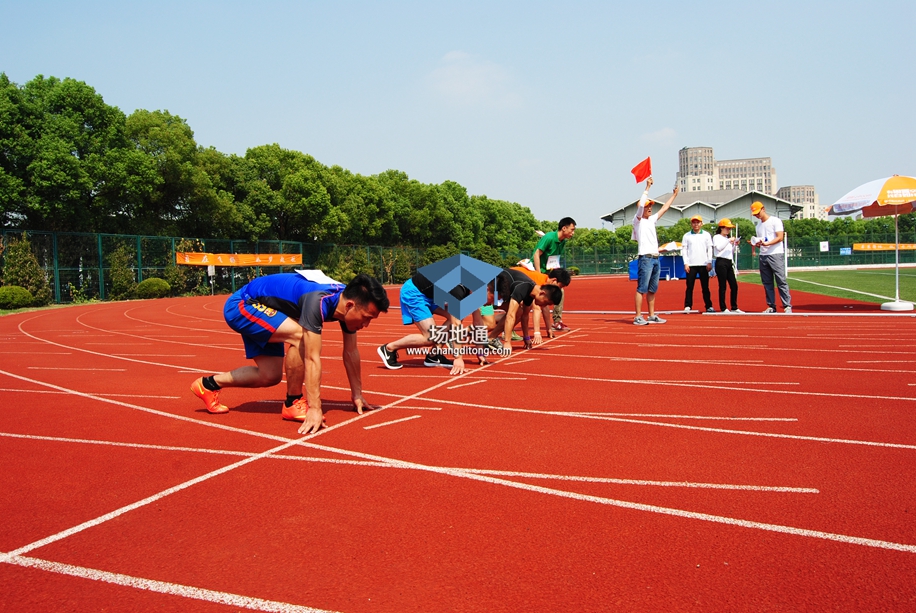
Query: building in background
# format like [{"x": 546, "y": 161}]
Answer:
[
  {"x": 805, "y": 196},
  {"x": 699, "y": 171}
]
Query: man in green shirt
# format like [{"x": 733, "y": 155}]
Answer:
[{"x": 547, "y": 255}]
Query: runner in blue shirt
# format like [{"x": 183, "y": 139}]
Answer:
[{"x": 291, "y": 308}]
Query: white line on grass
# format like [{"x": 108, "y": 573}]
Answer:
[{"x": 845, "y": 289}]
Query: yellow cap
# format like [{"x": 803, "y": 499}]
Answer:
[
  {"x": 726, "y": 223},
  {"x": 756, "y": 208},
  {"x": 696, "y": 218}
]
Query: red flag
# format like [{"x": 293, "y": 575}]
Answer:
[{"x": 643, "y": 170}]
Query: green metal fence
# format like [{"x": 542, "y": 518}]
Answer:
[{"x": 78, "y": 265}]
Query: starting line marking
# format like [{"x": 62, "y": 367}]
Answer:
[
  {"x": 388, "y": 423},
  {"x": 475, "y": 382}
]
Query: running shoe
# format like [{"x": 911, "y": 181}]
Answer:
[
  {"x": 297, "y": 411},
  {"x": 655, "y": 319},
  {"x": 787, "y": 310},
  {"x": 726, "y": 311},
  {"x": 639, "y": 321},
  {"x": 687, "y": 309},
  {"x": 437, "y": 359},
  {"x": 769, "y": 310},
  {"x": 738, "y": 311},
  {"x": 495, "y": 344},
  {"x": 389, "y": 358},
  {"x": 211, "y": 399},
  {"x": 710, "y": 310},
  {"x": 561, "y": 327},
  {"x": 516, "y": 337}
]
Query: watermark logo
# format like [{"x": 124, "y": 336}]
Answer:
[{"x": 447, "y": 274}]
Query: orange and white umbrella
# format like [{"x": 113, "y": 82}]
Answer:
[{"x": 890, "y": 196}]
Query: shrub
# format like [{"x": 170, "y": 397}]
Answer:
[
  {"x": 15, "y": 297},
  {"x": 21, "y": 267},
  {"x": 123, "y": 279},
  {"x": 153, "y": 288}
]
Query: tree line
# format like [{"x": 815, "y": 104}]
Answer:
[{"x": 71, "y": 162}]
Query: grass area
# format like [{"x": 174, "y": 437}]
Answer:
[{"x": 849, "y": 283}]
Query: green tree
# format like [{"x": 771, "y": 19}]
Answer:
[
  {"x": 58, "y": 139},
  {"x": 21, "y": 268}
]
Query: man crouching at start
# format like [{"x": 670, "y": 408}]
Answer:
[{"x": 290, "y": 309}]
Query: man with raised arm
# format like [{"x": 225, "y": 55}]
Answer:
[{"x": 648, "y": 268}]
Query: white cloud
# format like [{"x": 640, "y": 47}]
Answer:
[{"x": 464, "y": 80}]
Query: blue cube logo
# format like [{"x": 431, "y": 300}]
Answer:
[{"x": 464, "y": 270}]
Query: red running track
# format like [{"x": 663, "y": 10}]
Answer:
[{"x": 739, "y": 463}]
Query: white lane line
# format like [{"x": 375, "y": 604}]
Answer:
[
  {"x": 475, "y": 382},
  {"x": 502, "y": 473},
  {"x": 668, "y": 416},
  {"x": 161, "y": 587},
  {"x": 2, "y": 389},
  {"x": 66, "y": 368},
  {"x": 731, "y": 521},
  {"x": 148, "y": 500},
  {"x": 243, "y": 454},
  {"x": 394, "y": 421},
  {"x": 688, "y": 484},
  {"x": 872, "y": 361},
  {"x": 692, "y": 385},
  {"x": 154, "y": 355},
  {"x": 724, "y": 383}
]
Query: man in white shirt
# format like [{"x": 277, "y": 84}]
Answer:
[
  {"x": 648, "y": 268},
  {"x": 696, "y": 249},
  {"x": 770, "y": 236}
]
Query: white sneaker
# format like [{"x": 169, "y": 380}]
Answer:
[
  {"x": 769, "y": 310},
  {"x": 738, "y": 311},
  {"x": 787, "y": 310},
  {"x": 726, "y": 311},
  {"x": 687, "y": 309}
]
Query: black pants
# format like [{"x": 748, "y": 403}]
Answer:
[
  {"x": 698, "y": 271},
  {"x": 725, "y": 273}
]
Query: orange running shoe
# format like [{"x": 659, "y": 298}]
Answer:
[
  {"x": 211, "y": 399},
  {"x": 297, "y": 411}
]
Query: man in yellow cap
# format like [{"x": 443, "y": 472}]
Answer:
[
  {"x": 770, "y": 237},
  {"x": 696, "y": 249}
]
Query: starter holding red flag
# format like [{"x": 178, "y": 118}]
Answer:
[{"x": 643, "y": 170}]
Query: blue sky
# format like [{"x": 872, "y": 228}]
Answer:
[{"x": 548, "y": 104}]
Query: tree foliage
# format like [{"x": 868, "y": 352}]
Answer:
[
  {"x": 71, "y": 162},
  {"x": 21, "y": 268}
]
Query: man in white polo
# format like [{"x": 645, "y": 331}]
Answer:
[
  {"x": 696, "y": 249},
  {"x": 769, "y": 239}
]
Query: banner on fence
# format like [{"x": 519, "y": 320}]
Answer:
[
  {"x": 882, "y": 246},
  {"x": 237, "y": 259}
]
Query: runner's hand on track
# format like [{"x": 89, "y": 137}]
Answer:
[
  {"x": 314, "y": 421},
  {"x": 360, "y": 403},
  {"x": 457, "y": 366}
]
